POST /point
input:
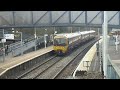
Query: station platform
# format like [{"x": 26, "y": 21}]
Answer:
[
  {"x": 15, "y": 61},
  {"x": 114, "y": 59},
  {"x": 90, "y": 64},
  {"x": 114, "y": 55}
]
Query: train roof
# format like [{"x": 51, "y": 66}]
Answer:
[{"x": 71, "y": 35}]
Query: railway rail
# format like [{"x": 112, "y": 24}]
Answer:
[
  {"x": 33, "y": 72},
  {"x": 32, "y": 69},
  {"x": 56, "y": 67},
  {"x": 69, "y": 69},
  {"x": 55, "y": 71},
  {"x": 45, "y": 69}
]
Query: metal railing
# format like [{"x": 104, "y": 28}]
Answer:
[
  {"x": 113, "y": 72},
  {"x": 28, "y": 45},
  {"x": 15, "y": 48}
]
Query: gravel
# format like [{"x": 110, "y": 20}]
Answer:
[
  {"x": 68, "y": 71},
  {"x": 41, "y": 68},
  {"x": 61, "y": 63}
]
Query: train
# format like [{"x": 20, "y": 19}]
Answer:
[{"x": 64, "y": 43}]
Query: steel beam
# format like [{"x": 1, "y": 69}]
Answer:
[
  {"x": 102, "y": 18},
  {"x": 78, "y": 16},
  {"x": 70, "y": 17},
  {"x": 94, "y": 17},
  {"x": 119, "y": 18},
  {"x": 5, "y": 20},
  {"x": 112, "y": 17},
  {"x": 59, "y": 25},
  {"x": 59, "y": 17},
  {"x": 50, "y": 12},
  {"x": 32, "y": 17},
  {"x": 13, "y": 17},
  {"x": 86, "y": 18},
  {"x": 41, "y": 17},
  {"x": 105, "y": 46},
  {"x": 54, "y": 24}
]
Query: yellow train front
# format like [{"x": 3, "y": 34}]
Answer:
[{"x": 60, "y": 45}]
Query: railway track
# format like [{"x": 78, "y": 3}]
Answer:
[
  {"x": 56, "y": 70},
  {"x": 34, "y": 68},
  {"x": 47, "y": 68},
  {"x": 56, "y": 67},
  {"x": 69, "y": 69}
]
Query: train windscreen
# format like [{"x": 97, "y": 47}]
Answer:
[{"x": 59, "y": 42}]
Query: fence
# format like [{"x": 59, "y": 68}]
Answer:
[{"x": 113, "y": 72}]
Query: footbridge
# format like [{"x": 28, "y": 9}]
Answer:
[{"x": 27, "y": 19}]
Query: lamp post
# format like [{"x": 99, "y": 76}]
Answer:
[
  {"x": 3, "y": 41},
  {"x": 71, "y": 29},
  {"x": 35, "y": 38},
  {"x": 21, "y": 40},
  {"x": 45, "y": 38},
  {"x": 116, "y": 42},
  {"x": 21, "y": 43},
  {"x": 79, "y": 29},
  {"x": 54, "y": 35}
]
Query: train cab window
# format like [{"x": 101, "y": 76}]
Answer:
[{"x": 59, "y": 42}]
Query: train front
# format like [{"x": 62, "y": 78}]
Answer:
[{"x": 60, "y": 45}]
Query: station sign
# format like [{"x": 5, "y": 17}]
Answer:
[
  {"x": 46, "y": 35},
  {"x": 3, "y": 40},
  {"x": 9, "y": 36}
]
